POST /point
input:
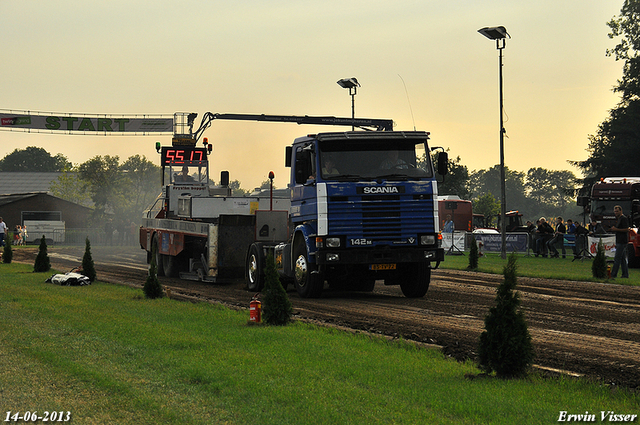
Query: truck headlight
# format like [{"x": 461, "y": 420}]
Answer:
[
  {"x": 427, "y": 240},
  {"x": 333, "y": 242}
]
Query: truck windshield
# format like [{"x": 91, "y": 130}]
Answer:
[
  {"x": 185, "y": 174},
  {"x": 397, "y": 160},
  {"x": 603, "y": 209}
]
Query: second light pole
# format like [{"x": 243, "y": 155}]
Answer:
[{"x": 500, "y": 35}]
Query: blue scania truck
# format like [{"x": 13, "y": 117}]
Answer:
[{"x": 360, "y": 207}]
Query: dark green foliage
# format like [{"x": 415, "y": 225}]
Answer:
[
  {"x": 473, "y": 254},
  {"x": 505, "y": 345},
  {"x": 7, "y": 253},
  {"x": 276, "y": 306},
  {"x": 42, "y": 263},
  {"x": 88, "y": 268},
  {"x": 599, "y": 265},
  {"x": 152, "y": 288},
  {"x": 32, "y": 159}
]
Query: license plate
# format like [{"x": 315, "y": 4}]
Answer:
[{"x": 382, "y": 267}]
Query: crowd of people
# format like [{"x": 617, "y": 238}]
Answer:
[
  {"x": 19, "y": 234},
  {"x": 545, "y": 238}
]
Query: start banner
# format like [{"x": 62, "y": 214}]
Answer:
[{"x": 92, "y": 124}]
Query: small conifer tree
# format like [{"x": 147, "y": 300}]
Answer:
[
  {"x": 152, "y": 288},
  {"x": 473, "y": 254},
  {"x": 88, "y": 268},
  {"x": 599, "y": 265},
  {"x": 276, "y": 306},
  {"x": 42, "y": 264},
  {"x": 7, "y": 252},
  {"x": 505, "y": 345}
]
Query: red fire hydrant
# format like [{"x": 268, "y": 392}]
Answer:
[{"x": 255, "y": 310}]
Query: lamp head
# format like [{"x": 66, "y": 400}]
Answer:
[
  {"x": 494, "y": 33},
  {"x": 348, "y": 83}
]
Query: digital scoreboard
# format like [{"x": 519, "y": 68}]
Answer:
[{"x": 183, "y": 155}]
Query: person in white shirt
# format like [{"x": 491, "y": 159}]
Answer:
[{"x": 3, "y": 231}]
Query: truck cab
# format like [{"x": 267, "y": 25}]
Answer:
[{"x": 363, "y": 208}]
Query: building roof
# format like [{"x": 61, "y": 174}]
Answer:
[
  {"x": 10, "y": 199},
  {"x": 25, "y": 182}
]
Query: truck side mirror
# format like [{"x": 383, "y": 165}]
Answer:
[
  {"x": 287, "y": 156},
  {"x": 443, "y": 162}
]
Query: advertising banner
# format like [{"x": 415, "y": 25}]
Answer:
[
  {"x": 91, "y": 124},
  {"x": 609, "y": 242},
  {"x": 493, "y": 242},
  {"x": 455, "y": 238}
]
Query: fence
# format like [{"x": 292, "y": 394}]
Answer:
[{"x": 97, "y": 237}]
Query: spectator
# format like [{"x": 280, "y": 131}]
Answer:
[
  {"x": 531, "y": 229},
  {"x": 571, "y": 227},
  {"x": 621, "y": 229},
  {"x": 16, "y": 234},
  {"x": 3, "y": 230},
  {"x": 558, "y": 237},
  {"x": 581, "y": 240},
  {"x": 23, "y": 235},
  {"x": 544, "y": 233},
  {"x": 448, "y": 225}
]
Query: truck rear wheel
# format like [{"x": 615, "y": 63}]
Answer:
[
  {"x": 307, "y": 279},
  {"x": 254, "y": 268},
  {"x": 159, "y": 264},
  {"x": 415, "y": 279}
]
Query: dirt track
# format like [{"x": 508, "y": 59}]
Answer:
[{"x": 584, "y": 328}]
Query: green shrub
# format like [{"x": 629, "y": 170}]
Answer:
[
  {"x": 7, "y": 252},
  {"x": 473, "y": 254},
  {"x": 42, "y": 264},
  {"x": 88, "y": 268},
  {"x": 152, "y": 288},
  {"x": 505, "y": 345},
  {"x": 599, "y": 265},
  {"x": 276, "y": 306}
]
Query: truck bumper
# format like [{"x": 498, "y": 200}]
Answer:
[{"x": 379, "y": 255}]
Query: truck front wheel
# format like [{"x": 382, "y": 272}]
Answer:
[
  {"x": 254, "y": 268},
  {"x": 308, "y": 280},
  {"x": 415, "y": 279}
]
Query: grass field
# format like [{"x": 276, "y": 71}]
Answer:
[
  {"x": 547, "y": 268},
  {"x": 107, "y": 355}
]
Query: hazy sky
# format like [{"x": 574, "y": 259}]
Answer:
[{"x": 284, "y": 57}]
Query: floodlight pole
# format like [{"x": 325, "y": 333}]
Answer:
[
  {"x": 500, "y": 45},
  {"x": 352, "y": 92},
  {"x": 499, "y": 34}
]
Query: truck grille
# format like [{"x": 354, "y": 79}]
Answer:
[{"x": 380, "y": 218}]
